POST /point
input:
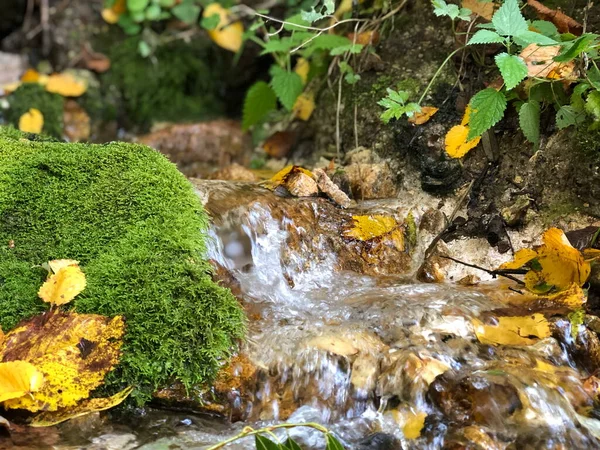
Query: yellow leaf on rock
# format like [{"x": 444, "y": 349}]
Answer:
[
  {"x": 280, "y": 177},
  {"x": 19, "y": 378},
  {"x": 414, "y": 424},
  {"x": 63, "y": 286},
  {"x": 226, "y": 35},
  {"x": 517, "y": 330},
  {"x": 302, "y": 68},
  {"x": 521, "y": 258},
  {"x": 304, "y": 106},
  {"x": 370, "y": 227},
  {"x": 49, "y": 418},
  {"x": 423, "y": 116},
  {"x": 572, "y": 298},
  {"x": 66, "y": 85},
  {"x": 74, "y": 352},
  {"x": 32, "y": 121},
  {"x": 456, "y": 142}
]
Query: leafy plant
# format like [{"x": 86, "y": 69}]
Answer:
[{"x": 395, "y": 105}]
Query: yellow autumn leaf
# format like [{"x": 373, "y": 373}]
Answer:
[
  {"x": 66, "y": 85},
  {"x": 573, "y": 297},
  {"x": 280, "y": 177},
  {"x": 10, "y": 87},
  {"x": 57, "y": 264},
  {"x": 30, "y": 76},
  {"x": 304, "y": 106},
  {"x": 19, "y": 378},
  {"x": 414, "y": 424},
  {"x": 302, "y": 68},
  {"x": 466, "y": 116},
  {"x": 369, "y": 227},
  {"x": 226, "y": 35},
  {"x": 49, "y": 418},
  {"x": 423, "y": 116},
  {"x": 591, "y": 254},
  {"x": 520, "y": 258},
  {"x": 456, "y": 142},
  {"x": 63, "y": 286},
  {"x": 74, "y": 352},
  {"x": 111, "y": 15},
  {"x": 32, "y": 121},
  {"x": 516, "y": 330}
]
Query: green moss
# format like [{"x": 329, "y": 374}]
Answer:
[
  {"x": 136, "y": 226},
  {"x": 32, "y": 95},
  {"x": 180, "y": 81}
]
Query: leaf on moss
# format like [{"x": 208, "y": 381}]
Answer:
[
  {"x": 66, "y": 85},
  {"x": 19, "y": 378},
  {"x": 423, "y": 116},
  {"x": 304, "y": 106},
  {"x": 227, "y": 34},
  {"x": 30, "y": 76},
  {"x": 456, "y": 143},
  {"x": 63, "y": 286},
  {"x": 50, "y": 418},
  {"x": 74, "y": 352},
  {"x": 32, "y": 121},
  {"x": 57, "y": 264},
  {"x": 516, "y": 330}
]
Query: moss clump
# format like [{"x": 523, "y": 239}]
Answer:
[
  {"x": 180, "y": 82},
  {"x": 33, "y": 95},
  {"x": 136, "y": 226}
]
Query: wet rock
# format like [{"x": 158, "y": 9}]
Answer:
[
  {"x": 379, "y": 441},
  {"x": 234, "y": 172},
  {"x": 198, "y": 148},
  {"x": 330, "y": 189},
  {"x": 369, "y": 177},
  {"x": 300, "y": 184}
]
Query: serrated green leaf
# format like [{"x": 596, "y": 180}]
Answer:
[
  {"x": 577, "y": 101},
  {"x": 137, "y": 5},
  {"x": 291, "y": 23},
  {"x": 487, "y": 108},
  {"x": 512, "y": 68},
  {"x": 546, "y": 28},
  {"x": 486, "y": 37},
  {"x": 260, "y": 100},
  {"x": 486, "y": 26},
  {"x": 329, "y": 41},
  {"x": 508, "y": 20},
  {"x": 567, "y": 116},
  {"x": 187, "y": 12},
  {"x": 527, "y": 37},
  {"x": 153, "y": 12},
  {"x": 350, "y": 48},
  {"x": 592, "y": 104},
  {"x": 263, "y": 443},
  {"x": 577, "y": 47},
  {"x": 529, "y": 121},
  {"x": 290, "y": 444},
  {"x": 333, "y": 443},
  {"x": 398, "y": 96},
  {"x": 465, "y": 14},
  {"x": 287, "y": 86}
]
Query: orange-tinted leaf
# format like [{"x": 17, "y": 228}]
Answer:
[
  {"x": 365, "y": 38},
  {"x": 419, "y": 118},
  {"x": 30, "y": 76},
  {"x": 32, "y": 121},
  {"x": 280, "y": 143},
  {"x": 564, "y": 23},
  {"x": 302, "y": 68},
  {"x": 456, "y": 142},
  {"x": 482, "y": 9},
  {"x": 226, "y": 35}
]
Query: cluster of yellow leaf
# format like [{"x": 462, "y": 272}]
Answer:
[
  {"x": 52, "y": 362},
  {"x": 367, "y": 228},
  {"x": 456, "y": 142}
]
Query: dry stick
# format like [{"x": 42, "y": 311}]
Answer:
[
  {"x": 44, "y": 18},
  {"x": 494, "y": 273}
]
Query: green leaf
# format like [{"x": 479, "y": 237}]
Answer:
[
  {"x": 486, "y": 26},
  {"x": 292, "y": 21},
  {"x": 508, "y": 20},
  {"x": 329, "y": 41},
  {"x": 333, "y": 443},
  {"x": 592, "y": 104},
  {"x": 287, "y": 85},
  {"x": 577, "y": 101},
  {"x": 465, "y": 14},
  {"x": 137, "y": 5},
  {"x": 512, "y": 68},
  {"x": 166, "y": 3},
  {"x": 290, "y": 444},
  {"x": 144, "y": 49},
  {"x": 211, "y": 22},
  {"x": 395, "y": 105},
  {"x": 351, "y": 48},
  {"x": 546, "y": 28},
  {"x": 487, "y": 108},
  {"x": 578, "y": 46},
  {"x": 567, "y": 116},
  {"x": 486, "y": 37},
  {"x": 352, "y": 78},
  {"x": 524, "y": 38},
  {"x": 263, "y": 443},
  {"x": 187, "y": 12},
  {"x": 529, "y": 121},
  {"x": 128, "y": 25},
  {"x": 311, "y": 16},
  {"x": 153, "y": 12},
  {"x": 260, "y": 100}
]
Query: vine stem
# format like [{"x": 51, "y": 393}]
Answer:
[
  {"x": 439, "y": 71},
  {"x": 248, "y": 431}
]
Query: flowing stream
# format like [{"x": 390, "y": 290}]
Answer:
[{"x": 370, "y": 357}]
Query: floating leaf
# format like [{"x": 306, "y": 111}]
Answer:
[
  {"x": 63, "y": 286},
  {"x": 32, "y": 121},
  {"x": 228, "y": 34},
  {"x": 19, "y": 378},
  {"x": 304, "y": 106},
  {"x": 370, "y": 227},
  {"x": 456, "y": 143},
  {"x": 66, "y": 85},
  {"x": 414, "y": 424},
  {"x": 518, "y": 330},
  {"x": 423, "y": 116}
]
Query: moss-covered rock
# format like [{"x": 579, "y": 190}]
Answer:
[
  {"x": 136, "y": 226},
  {"x": 33, "y": 95}
]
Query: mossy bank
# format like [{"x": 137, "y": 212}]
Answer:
[{"x": 137, "y": 228}]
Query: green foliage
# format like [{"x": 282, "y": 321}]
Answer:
[
  {"x": 508, "y": 20},
  {"x": 33, "y": 95},
  {"x": 529, "y": 121},
  {"x": 512, "y": 68},
  {"x": 486, "y": 37},
  {"x": 260, "y": 100},
  {"x": 487, "y": 108},
  {"x": 395, "y": 105},
  {"x": 137, "y": 228},
  {"x": 286, "y": 85},
  {"x": 441, "y": 8}
]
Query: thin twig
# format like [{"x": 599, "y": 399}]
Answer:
[
  {"x": 44, "y": 19},
  {"x": 493, "y": 273},
  {"x": 338, "y": 143}
]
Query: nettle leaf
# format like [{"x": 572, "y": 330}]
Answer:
[
  {"x": 329, "y": 41},
  {"x": 567, "y": 116},
  {"x": 187, "y": 12},
  {"x": 486, "y": 37},
  {"x": 487, "y": 108},
  {"x": 592, "y": 104},
  {"x": 260, "y": 100},
  {"x": 333, "y": 443},
  {"x": 486, "y": 26},
  {"x": 546, "y": 28},
  {"x": 263, "y": 443},
  {"x": 465, "y": 14},
  {"x": 508, "y": 20},
  {"x": 287, "y": 86},
  {"x": 577, "y": 100},
  {"x": 577, "y": 47},
  {"x": 512, "y": 68},
  {"x": 351, "y": 48},
  {"x": 527, "y": 37},
  {"x": 529, "y": 121}
]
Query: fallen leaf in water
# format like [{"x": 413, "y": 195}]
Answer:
[
  {"x": 482, "y": 9},
  {"x": 365, "y": 228},
  {"x": 66, "y": 85},
  {"x": 74, "y": 352},
  {"x": 304, "y": 106},
  {"x": 302, "y": 68},
  {"x": 469, "y": 280},
  {"x": 227, "y": 34},
  {"x": 456, "y": 142},
  {"x": 365, "y": 38},
  {"x": 423, "y": 116},
  {"x": 19, "y": 378},
  {"x": 77, "y": 127},
  {"x": 516, "y": 330},
  {"x": 564, "y": 23},
  {"x": 49, "y": 418},
  {"x": 415, "y": 421},
  {"x": 63, "y": 286},
  {"x": 32, "y": 121},
  {"x": 540, "y": 63},
  {"x": 423, "y": 368}
]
